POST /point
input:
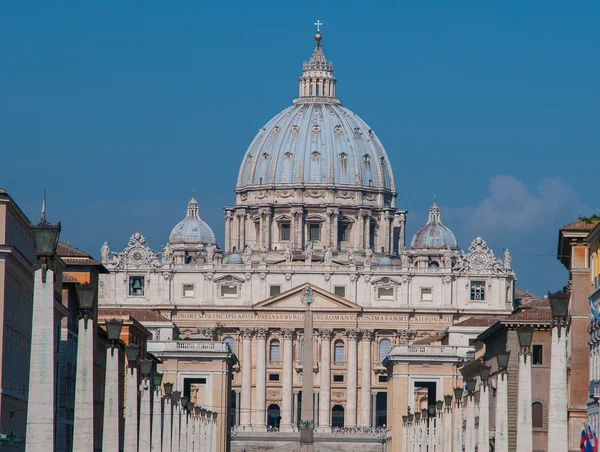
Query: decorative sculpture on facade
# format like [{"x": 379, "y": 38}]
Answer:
[
  {"x": 351, "y": 255},
  {"x": 167, "y": 254},
  {"x": 263, "y": 255},
  {"x": 210, "y": 253},
  {"x": 105, "y": 253},
  {"x": 328, "y": 256},
  {"x": 288, "y": 255},
  {"x": 136, "y": 255},
  {"x": 309, "y": 250},
  {"x": 507, "y": 259},
  {"x": 368, "y": 257},
  {"x": 248, "y": 252}
]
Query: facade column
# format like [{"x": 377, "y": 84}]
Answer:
[
  {"x": 145, "y": 415},
  {"x": 202, "y": 430},
  {"x": 470, "y": 430},
  {"x": 259, "y": 424},
  {"x": 167, "y": 425},
  {"x": 246, "y": 398},
  {"x": 228, "y": 231},
  {"x": 112, "y": 416},
  {"x": 524, "y": 422},
  {"x": 293, "y": 229},
  {"x": 335, "y": 228},
  {"x": 365, "y": 394},
  {"x": 374, "y": 409},
  {"x": 351, "y": 391},
  {"x": 501, "y": 444},
  {"x": 325, "y": 381},
  {"x": 558, "y": 437},
  {"x": 367, "y": 238},
  {"x": 209, "y": 431},
  {"x": 286, "y": 390},
  {"x": 243, "y": 237},
  {"x": 176, "y": 435},
  {"x": 130, "y": 433},
  {"x": 296, "y": 408},
  {"x": 484, "y": 418},
  {"x": 156, "y": 419},
  {"x": 458, "y": 425},
  {"x": 83, "y": 421},
  {"x": 261, "y": 230},
  {"x": 41, "y": 404},
  {"x": 361, "y": 230},
  {"x": 446, "y": 420},
  {"x": 268, "y": 230}
]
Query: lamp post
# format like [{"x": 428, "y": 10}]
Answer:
[
  {"x": 470, "y": 415},
  {"x": 458, "y": 431},
  {"x": 130, "y": 443},
  {"x": 484, "y": 409},
  {"x": 411, "y": 438},
  {"x": 145, "y": 406},
  {"x": 214, "y": 432},
  {"x": 557, "y": 406},
  {"x": 524, "y": 426},
  {"x": 112, "y": 416},
  {"x": 156, "y": 444},
  {"x": 190, "y": 427},
  {"x": 176, "y": 434},
  {"x": 439, "y": 424},
  {"x": 197, "y": 425},
  {"x": 433, "y": 432},
  {"x": 202, "y": 429},
  {"x": 168, "y": 418},
  {"x": 41, "y": 400},
  {"x": 502, "y": 401},
  {"x": 208, "y": 430},
  {"x": 405, "y": 433}
]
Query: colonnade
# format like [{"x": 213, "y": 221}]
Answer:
[{"x": 254, "y": 418}]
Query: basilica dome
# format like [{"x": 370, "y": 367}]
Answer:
[
  {"x": 434, "y": 235},
  {"x": 192, "y": 229},
  {"x": 316, "y": 144}
]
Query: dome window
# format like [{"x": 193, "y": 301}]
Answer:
[
  {"x": 276, "y": 130},
  {"x": 288, "y": 155},
  {"x": 316, "y": 128},
  {"x": 315, "y": 155},
  {"x": 343, "y": 156},
  {"x": 357, "y": 132},
  {"x": 338, "y": 129},
  {"x": 265, "y": 156},
  {"x": 367, "y": 158},
  {"x": 295, "y": 128}
]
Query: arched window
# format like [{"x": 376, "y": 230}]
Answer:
[
  {"x": 433, "y": 264},
  {"x": 537, "y": 415},
  {"x": 274, "y": 350},
  {"x": 230, "y": 343},
  {"x": 385, "y": 345},
  {"x": 338, "y": 351}
]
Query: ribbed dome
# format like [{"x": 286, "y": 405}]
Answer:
[
  {"x": 385, "y": 261},
  {"x": 235, "y": 258},
  {"x": 316, "y": 143},
  {"x": 192, "y": 229},
  {"x": 434, "y": 234}
]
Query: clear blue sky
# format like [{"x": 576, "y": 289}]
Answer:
[{"x": 119, "y": 108}]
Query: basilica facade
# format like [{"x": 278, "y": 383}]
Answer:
[{"x": 315, "y": 206}]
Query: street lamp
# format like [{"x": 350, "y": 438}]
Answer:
[
  {"x": 525, "y": 334},
  {"x": 184, "y": 401},
  {"x": 113, "y": 331},
  {"x": 190, "y": 407},
  {"x": 146, "y": 367},
  {"x": 85, "y": 296},
  {"x": 404, "y": 419},
  {"x": 168, "y": 389},
  {"x": 424, "y": 413},
  {"x": 157, "y": 380},
  {"x": 439, "y": 405},
  {"x": 417, "y": 417},
  {"x": 175, "y": 396},
  {"x": 448, "y": 400},
  {"x": 431, "y": 411},
  {"x": 559, "y": 305},
  {"x": 411, "y": 417},
  {"x": 502, "y": 359},
  {"x": 132, "y": 351},
  {"x": 484, "y": 373},
  {"x": 458, "y": 394},
  {"x": 45, "y": 240},
  {"x": 471, "y": 386}
]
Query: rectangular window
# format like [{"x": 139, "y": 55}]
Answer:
[
  {"x": 136, "y": 286},
  {"x": 477, "y": 290},
  {"x": 340, "y": 291},
  {"x": 314, "y": 230},
  {"x": 285, "y": 231},
  {"x": 536, "y": 354},
  {"x": 188, "y": 290},
  {"x": 338, "y": 378},
  {"x": 426, "y": 294},
  {"x": 383, "y": 379},
  {"x": 385, "y": 293},
  {"x": 228, "y": 291},
  {"x": 274, "y": 290},
  {"x": 273, "y": 377}
]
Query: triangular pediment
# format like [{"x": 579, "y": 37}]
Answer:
[{"x": 295, "y": 300}]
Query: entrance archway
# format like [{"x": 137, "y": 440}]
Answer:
[
  {"x": 273, "y": 416},
  {"x": 337, "y": 416}
]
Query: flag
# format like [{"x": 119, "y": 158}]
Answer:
[
  {"x": 594, "y": 310},
  {"x": 44, "y": 208},
  {"x": 592, "y": 438}
]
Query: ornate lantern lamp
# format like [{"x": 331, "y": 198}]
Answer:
[
  {"x": 113, "y": 331},
  {"x": 404, "y": 419},
  {"x": 439, "y": 405},
  {"x": 458, "y": 393},
  {"x": 502, "y": 359},
  {"x": 132, "y": 352},
  {"x": 157, "y": 380},
  {"x": 190, "y": 407},
  {"x": 146, "y": 367},
  {"x": 471, "y": 386},
  {"x": 448, "y": 400},
  {"x": 411, "y": 417},
  {"x": 184, "y": 401},
  {"x": 559, "y": 305},
  {"x": 417, "y": 417},
  {"x": 175, "y": 397},
  {"x": 484, "y": 373},
  {"x": 45, "y": 241},
  {"x": 525, "y": 334},
  {"x": 168, "y": 386}
]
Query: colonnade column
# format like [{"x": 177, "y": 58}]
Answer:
[
  {"x": 470, "y": 430},
  {"x": 558, "y": 437},
  {"x": 484, "y": 417},
  {"x": 501, "y": 444},
  {"x": 458, "y": 430},
  {"x": 365, "y": 395},
  {"x": 446, "y": 420},
  {"x": 259, "y": 424},
  {"x": 524, "y": 421},
  {"x": 167, "y": 424},
  {"x": 351, "y": 391},
  {"x": 325, "y": 381},
  {"x": 246, "y": 396},
  {"x": 286, "y": 390}
]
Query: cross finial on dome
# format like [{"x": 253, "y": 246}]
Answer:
[{"x": 318, "y": 23}]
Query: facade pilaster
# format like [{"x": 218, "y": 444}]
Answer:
[
  {"x": 259, "y": 423},
  {"x": 558, "y": 439},
  {"x": 246, "y": 396},
  {"x": 325, "y": 381},
  {"x": 286, "y": 391},
  {"x": 365, "y": 399},
  {"x": 351, "y": 391}
]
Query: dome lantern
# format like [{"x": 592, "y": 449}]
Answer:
[
  {"x": 192, "y": 229},
  {"x": 434, "y": 235}
]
